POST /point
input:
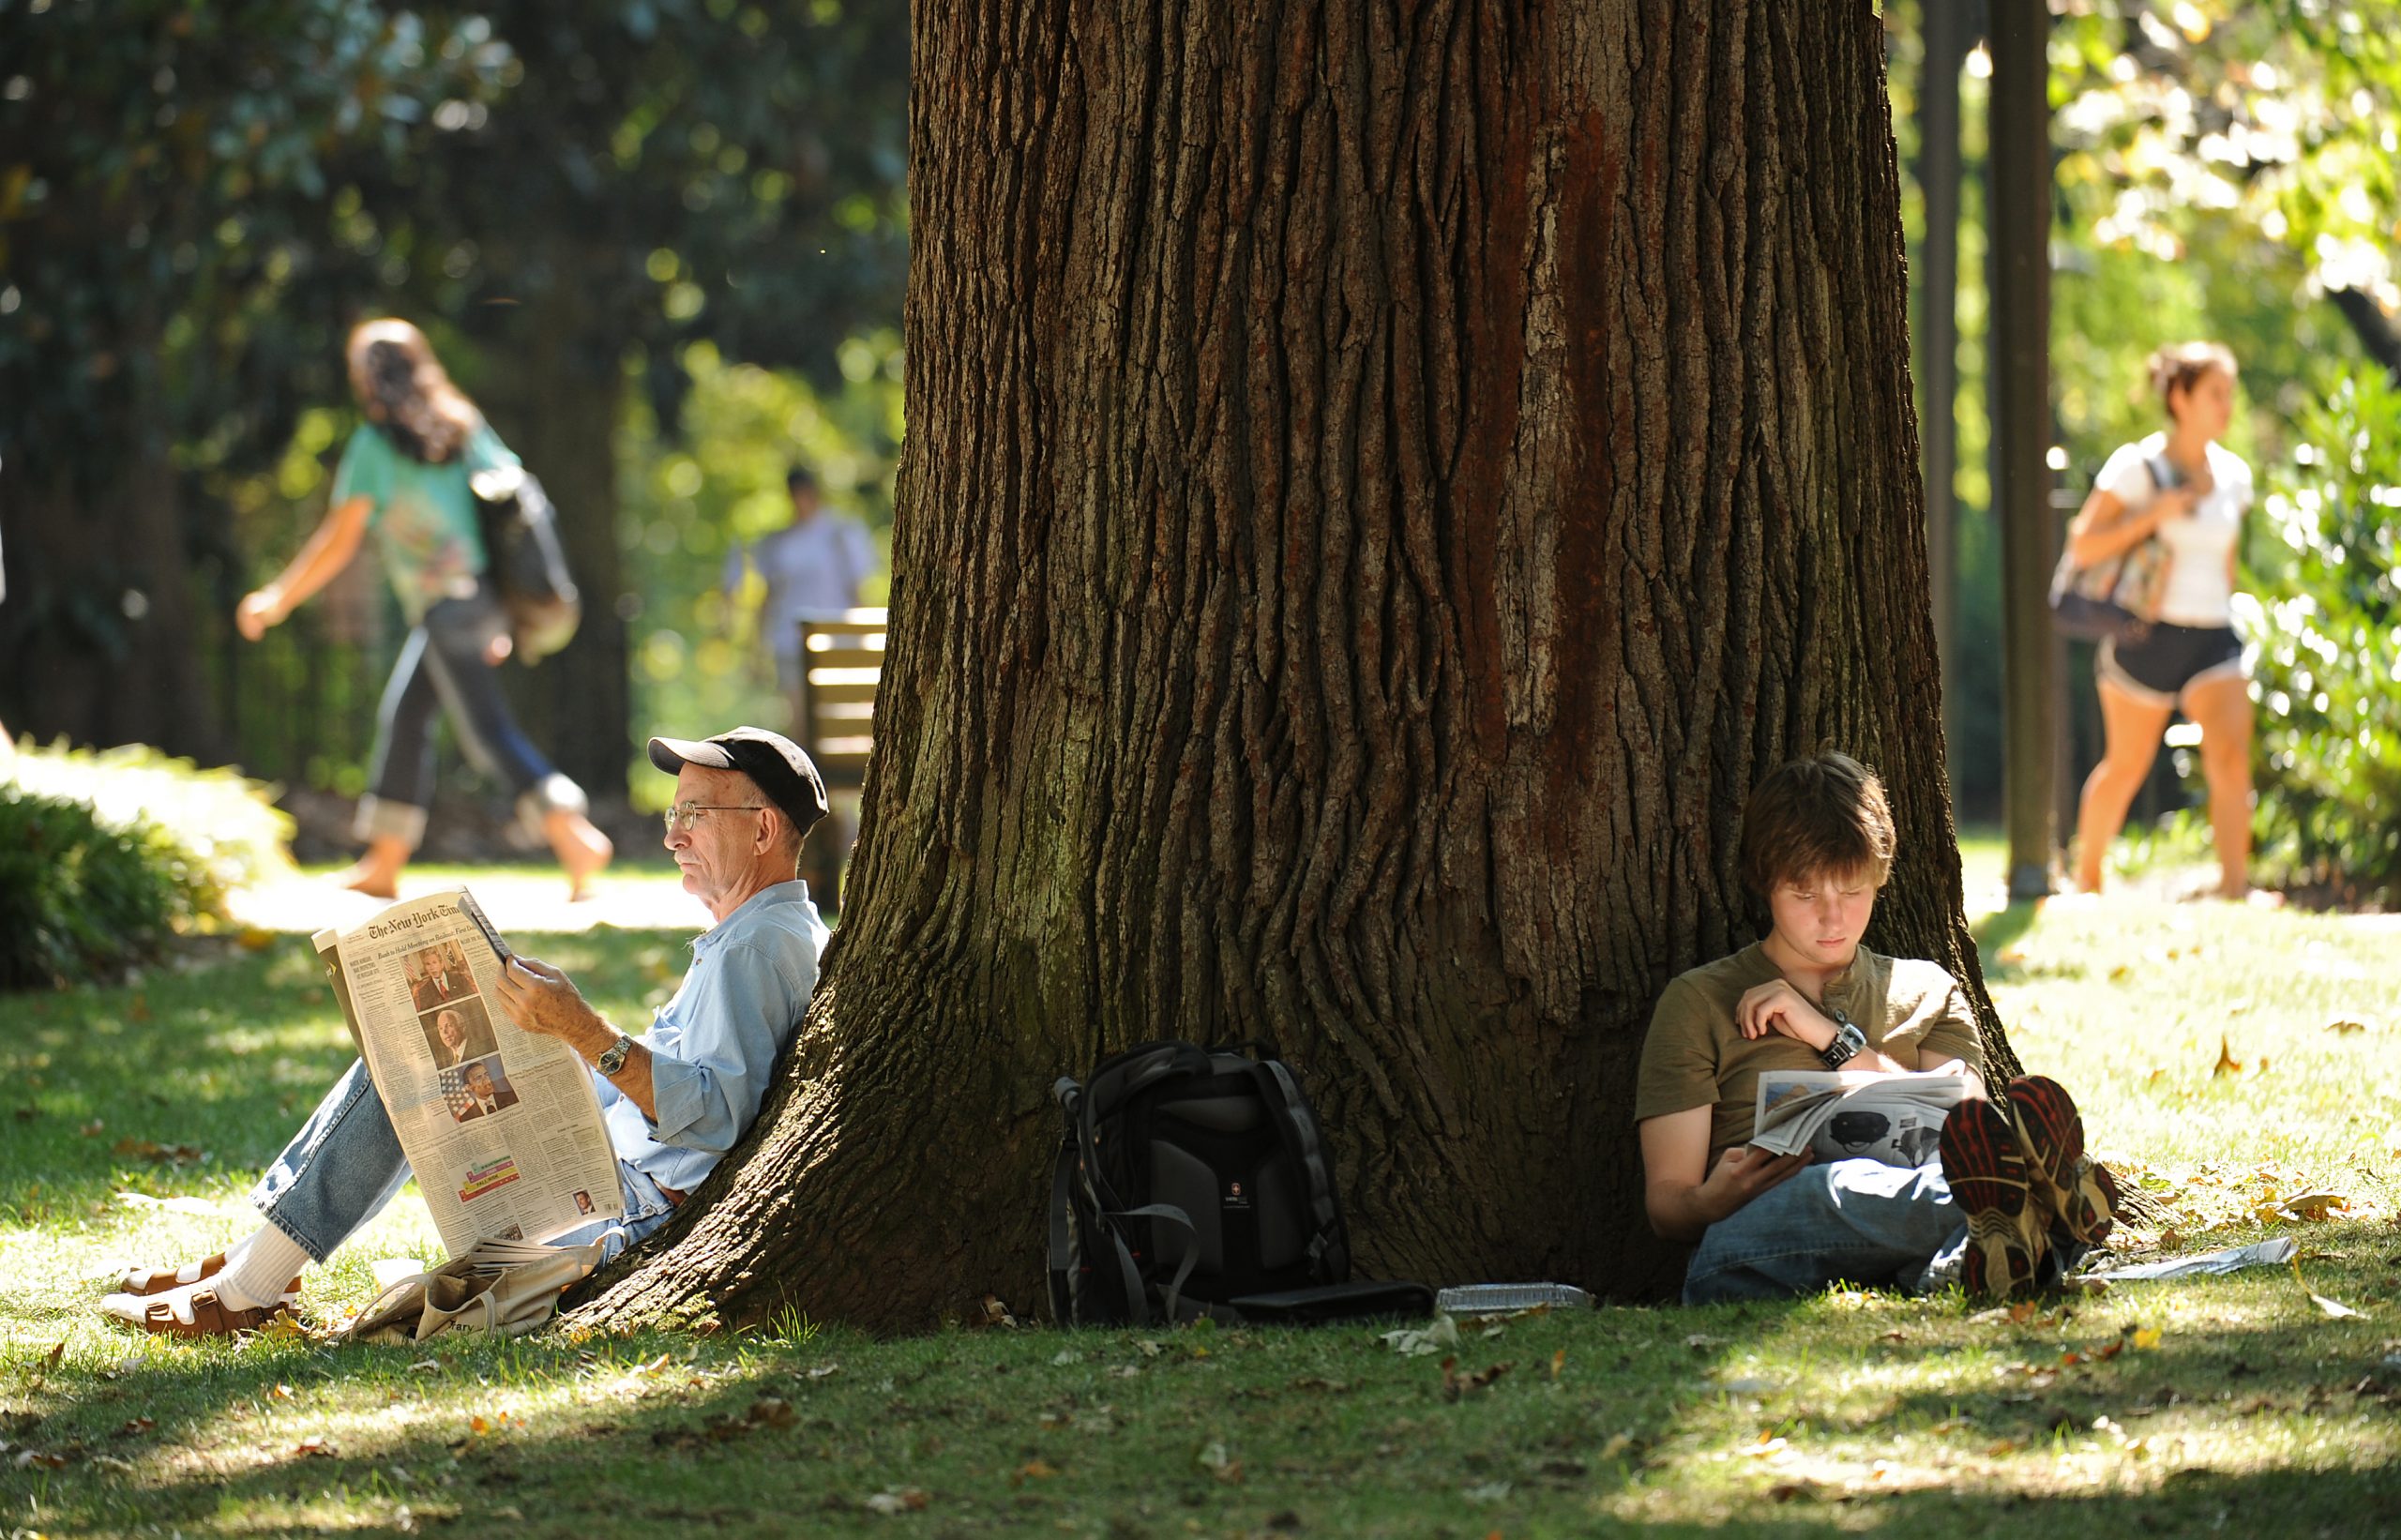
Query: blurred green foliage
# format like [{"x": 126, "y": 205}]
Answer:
[
  {"x": 80, "y": 901},
  {"x": 2220, "y": 169},
  {"x": 2326, "y": 643},
  {"x": 102, "y": 856},
  {"x": 195, "y": 204},
  {"x": 691, "y": 496},
  {"x": 227, "y": 827}
]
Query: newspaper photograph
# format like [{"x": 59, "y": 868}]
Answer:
[
  {"x": 1855, "y": 1114},
  {"x": 501, "y": 1127}
]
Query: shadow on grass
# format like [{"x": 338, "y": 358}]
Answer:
[
  {"x": 1993, "y": 934},
  {"x": 1129, "y": 1433}
]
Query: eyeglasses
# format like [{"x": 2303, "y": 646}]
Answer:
[{"x": 679, "y": 818}]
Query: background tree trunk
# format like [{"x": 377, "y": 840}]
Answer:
[
  {"x": 96, "y": 639},
  {"x": 558, "y": 395},
  {"x": 1380, "y": 489}
]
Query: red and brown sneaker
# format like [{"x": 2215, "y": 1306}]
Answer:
[
  {"x": 2006, "y": 1219},
  {"x": 2075, "y": 1187}
]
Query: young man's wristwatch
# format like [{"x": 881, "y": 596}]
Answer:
[
  {"x": 1847, "y": 1041},
  {"x": 612, "y": 1058}
]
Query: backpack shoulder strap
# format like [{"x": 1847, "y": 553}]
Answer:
[{"x": 1296, "y": 1125}]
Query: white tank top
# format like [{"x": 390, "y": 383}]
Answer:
[{"x": 2200, "y": 591}]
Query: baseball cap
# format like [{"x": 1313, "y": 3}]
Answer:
[{"x": 772, "y": 761}]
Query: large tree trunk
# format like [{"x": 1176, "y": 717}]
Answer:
[{"x": 1380, "y": 489}]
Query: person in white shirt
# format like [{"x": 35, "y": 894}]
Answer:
[
  {"x": 2184, "y": 489},
  {"x": 812, "y": 566}
]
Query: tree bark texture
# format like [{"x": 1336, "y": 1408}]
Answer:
[{"x": 1382, "y": 485}]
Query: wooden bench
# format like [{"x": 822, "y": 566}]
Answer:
[{"x": 833, "y": 716}]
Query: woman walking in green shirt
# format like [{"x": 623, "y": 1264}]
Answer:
[{"x": 405, "y": 477}]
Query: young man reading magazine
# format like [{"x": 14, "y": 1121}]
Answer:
[{"x": 2014, "y": 1199}]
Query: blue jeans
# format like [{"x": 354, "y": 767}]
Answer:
[
  {"x": 442, "y": 665},
  {"x": 1842, "y": 1221},
  {"x": 345, "y": 1164}
]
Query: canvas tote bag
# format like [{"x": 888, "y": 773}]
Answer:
[{"x": 507, "y": 1286}]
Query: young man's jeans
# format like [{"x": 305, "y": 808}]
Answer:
[
  {"x": 1843, "y": 1221},
  {"x": 345, "y": 1164}
]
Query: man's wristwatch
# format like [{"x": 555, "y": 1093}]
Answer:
[
  {"x": 612, "y": 1058},
  {"x": 1847, "y": 1041}
]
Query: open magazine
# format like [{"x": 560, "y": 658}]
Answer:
[
  {"x": 502, "y": 1126},
  {"x": 1855, "y": 1114}
]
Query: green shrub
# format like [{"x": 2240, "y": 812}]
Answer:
[
  {"x": 2327, "y": 633},
  {"x": 80, "y": 899},
  {"x": 104, "y": 854},
  {"x": 234, "y": 834}
]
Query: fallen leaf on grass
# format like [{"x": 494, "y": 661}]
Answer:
[
  {"x": 1759, "y": 1446},
  {"x": 1215, "y": 1458},
  {"x": 2227, "y": 1063},
  {"x": 91, "y": 1130},
  {"x": 1032, "y": 1470},
  {"x": 2340, "y": 1027},
  {"x": 1558, "y": 1362},
  {"x": 1456, "y": 1384},
  {"x": 315, "y": 1446},
  {"x": 995, "y": 1313},
  {"x": 825, "y": 1370},
  {"x": 1489, "y": 1491},
  {"x": 135, "y": 1427},
  {"x": 2316, "y": 1206},
  {"x": 2336, "y": 1308},
  {"x": 1786, "y": 1491},
  {"x": 2143, "y": 1338},
  {"x": 157, "y": 1154},
  {"x": 39, "y": 1459},
  {"x": 906, "y": 1499},
  {"x": 1417, "y": 1341}
]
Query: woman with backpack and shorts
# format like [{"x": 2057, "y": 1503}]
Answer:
[
  {"x": 404, "y": 477},
  {"x": 2183, "y": 488}
]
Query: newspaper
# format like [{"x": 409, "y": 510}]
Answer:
[
  {"x": 501, "y": 1126},
  {"x": 1855, "y": 1114}
]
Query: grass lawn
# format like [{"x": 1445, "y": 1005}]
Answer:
[{"x": 135, "y": 1118}]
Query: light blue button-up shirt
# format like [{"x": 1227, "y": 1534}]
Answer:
[{"x": 713, "y": 1046}]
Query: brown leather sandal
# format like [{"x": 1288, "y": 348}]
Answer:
[
  {"x": 210, "y": 1316},
  {"x": 150, "y": 1280}
]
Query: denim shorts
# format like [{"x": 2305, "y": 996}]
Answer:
[{"x": 2164, "y": 661}]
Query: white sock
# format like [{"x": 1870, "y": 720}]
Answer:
[{"x": 259, "y": 1269}]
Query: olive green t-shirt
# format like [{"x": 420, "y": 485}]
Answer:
[
  {"x": 1695, "y": 1056},
  {"x": 424, "y": 517}
]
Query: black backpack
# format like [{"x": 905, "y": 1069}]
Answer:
[
  {"x": 525, "y": 563},
  {"x": 1189, "y": 1180}
]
